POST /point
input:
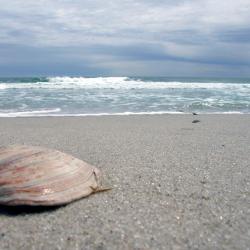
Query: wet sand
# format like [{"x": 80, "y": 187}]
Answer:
[{"x": 176, "y": 184}]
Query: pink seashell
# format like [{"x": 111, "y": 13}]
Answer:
[{"x": 43, "y": 177}]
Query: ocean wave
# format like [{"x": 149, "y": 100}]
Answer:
[{"x": 119, "y": 83}]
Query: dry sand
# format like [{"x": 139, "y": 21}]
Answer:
[{"x": 176, "y": 184}]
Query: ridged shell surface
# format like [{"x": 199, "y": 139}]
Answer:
[{"x": 39, "y": 176}]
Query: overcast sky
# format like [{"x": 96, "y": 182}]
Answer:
[{"x": 125, "y": 37}]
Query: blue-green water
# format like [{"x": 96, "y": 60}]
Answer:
[{"x": 66, "y": 96}]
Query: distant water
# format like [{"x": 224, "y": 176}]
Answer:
[{"x": 79, "y": 96}]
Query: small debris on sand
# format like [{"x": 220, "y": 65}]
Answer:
[{"x": 196, "y": 121}]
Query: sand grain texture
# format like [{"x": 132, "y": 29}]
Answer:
[{"x": 176, "y": 185}]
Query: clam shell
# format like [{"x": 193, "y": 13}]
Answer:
[{"x": 39, "y": 176}]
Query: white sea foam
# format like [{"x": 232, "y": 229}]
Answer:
[
  {"x": 30, "y": 113},
  {"x": 120, "y": 83},
  {"x": 50, "y": 113}
]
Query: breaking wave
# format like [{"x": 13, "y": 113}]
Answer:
[
  {"x": 118, "y": 83},
  {"x": 99, "y": 96}
]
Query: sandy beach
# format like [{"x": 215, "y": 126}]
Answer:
[{"x": 176, "y": 184}]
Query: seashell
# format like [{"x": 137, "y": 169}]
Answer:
[{"x": 43, "y": 177}]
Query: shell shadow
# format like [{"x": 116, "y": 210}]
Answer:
[{"x": 24, "y": 210}]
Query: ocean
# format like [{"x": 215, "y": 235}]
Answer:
[{"x": 86, "y": 96}]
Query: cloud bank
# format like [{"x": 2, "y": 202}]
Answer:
[{"x": 125, "y": 37}]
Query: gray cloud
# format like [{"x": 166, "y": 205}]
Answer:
[{"x": 107, "y": 37}]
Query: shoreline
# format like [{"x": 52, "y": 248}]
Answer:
[
  {"x": 176, "y": 184},
  {"x": 45, "y": 114}
]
